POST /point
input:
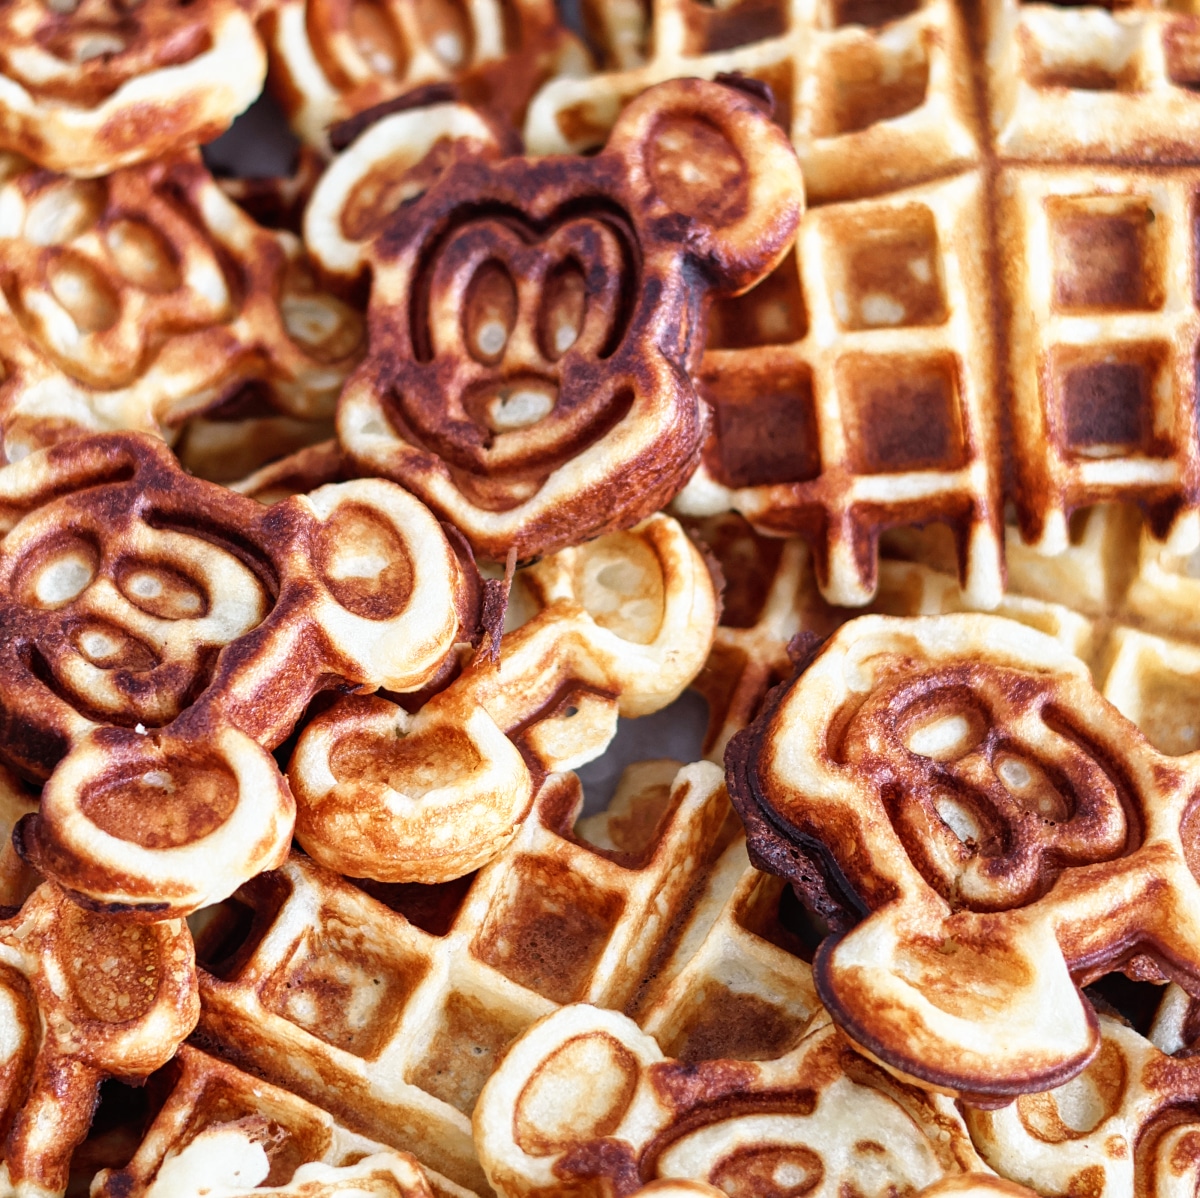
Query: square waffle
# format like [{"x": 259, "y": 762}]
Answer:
[
  {"x": 1082, "y": 359},
  {"x": 391, "y": 1008}
]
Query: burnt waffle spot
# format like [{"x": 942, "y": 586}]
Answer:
[
  {"x": 863, "y": 82},
  {"x": 548, "y": 929},
  {"x": 1105, "y": 408},
  {"x": 289, "y": 1136},
  {"x": 1181, "y": 49},
  {"x": 1106, "y": 256},
  {"x": 228, "y": 934},
  {"x": 725, "y": 1024},
  {"x": 161, "y": 808},
  {"x": 887, "y": 269},
  {"x": 722, "y": 27},
  {"x": 345, "y": 988},
  {"x": 766, "y": 424},
  {"x": 872, "y": 13},
  {"x": 466, "y": 1045},
  {"x": 902, "y": 413},
  {"x": 772, "y": 313},
  {"x": 1076, "y": 1109}
]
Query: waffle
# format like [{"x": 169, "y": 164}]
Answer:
[
  {"x": 139, "y": 300},
  {"x": 869, "y": 399},
  {"x": 391, "y": 1011},
  {"x": 87, "y": 87},
  {"x": 527, "y": 376},
  {"x": 930, "y": 867},
  {"x": 82, "y": 997},
  {"x": 586, "y": 1094},
  {"x": 1080, "y": 363},
  {"x": 332, "y": 61},
  {"x": 1126, "y": 1125},
  {"x": 615, "y": 627},
  {"x": 148, "y": 618},
  {"x": 221, "y": 1132},
  {"x": 867, "y": 108}
]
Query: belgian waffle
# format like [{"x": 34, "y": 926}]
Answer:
[
  {"x": 1090, "y": 351},
  {"x": 391, "y": 1011}
]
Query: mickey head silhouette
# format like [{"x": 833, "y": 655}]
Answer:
[{"x": 532, "y": 323}]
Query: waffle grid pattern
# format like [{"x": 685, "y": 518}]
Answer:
[{"x": 927, "y": 186}]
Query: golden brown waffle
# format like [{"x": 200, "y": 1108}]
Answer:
[
  {"x": 332, "y": 59},
  {"x": 1091, "y": 84},
  {"x": 82, "y": 997},
  {"x": 88, "y": 86},
  {"x": 1126, "y": 1125},
  {"x": 875, "y": 94},
  {"x": 222, "y": 1132},
  {"x": 139, "y": 300},
  {"x": 162, "y": 634},
  {"x": 980, "y": 812},
  {"x": 1080, "y": 362},
  {"x": 392, "y": 1019},
  {"x": 527, "y": 375},
  {"x": 856, "y": 390},
  {"x": 615, "y": 627},
  {"x": 586, "y": 1095}
]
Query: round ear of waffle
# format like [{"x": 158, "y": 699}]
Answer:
[
  {"x": 392, "y": 162},
  {"x": 162, "y": 634},
  {"x": 532, "y": 322},
  {"x": 88, "y": 86},
  {"x": 82, "y": 997},
  {"x": 332, "y": 59},
  {"x": 619, "y": 626},
  {"x": 139, "y": 300},
  {"x": 983, "y": 831},
  {"x": 1126, "y": 1125},
  {"x": 586, "y": 1096}
]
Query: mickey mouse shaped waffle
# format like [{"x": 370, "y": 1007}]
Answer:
[
  {"x": 160, "y": 631},
  {"x": 532, "y": 322},
  {"x": 984, "y": 834},
  {"x": 87, "y": 86}
]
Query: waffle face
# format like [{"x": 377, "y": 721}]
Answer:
[
  {"x": 527, "y": 374},
  {"x": 333, "y": 60},
  {"x": 1084, "y": 357},
  {"x": 92, "y": 86},
  {"x": 1024, "y": 875},
  {"x": 145, "y": 298},
  {"x": 149, "y": 617}
]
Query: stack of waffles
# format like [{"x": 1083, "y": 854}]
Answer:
[{"x": 830, "y": 364}]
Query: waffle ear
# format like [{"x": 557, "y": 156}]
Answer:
[
  {"x": 389, "y": 165},
  {"x": 709, "y": 152},
  {"x": 1004, "y": 1014}
]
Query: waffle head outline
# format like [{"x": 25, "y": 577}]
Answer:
[
  {"x": 532, "y": 322},
  {"x": 83, "y": 997},
  {"x": 162, "y": 634},
  {"x": 983, "y": 832}
]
